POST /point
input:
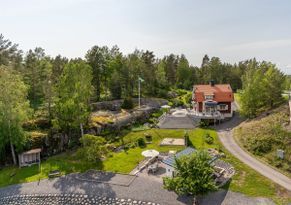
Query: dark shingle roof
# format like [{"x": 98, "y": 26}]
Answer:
[{"x": 171, "y": 160}]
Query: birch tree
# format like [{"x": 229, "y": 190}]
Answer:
[{"x": 14, "y": 110}]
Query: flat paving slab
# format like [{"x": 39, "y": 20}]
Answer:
[{"x": 173, "y": 141}]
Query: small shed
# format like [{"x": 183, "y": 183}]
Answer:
[{"x": 29, "y": 158}]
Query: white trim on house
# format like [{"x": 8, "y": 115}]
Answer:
[{"x": 169, "y": 170}]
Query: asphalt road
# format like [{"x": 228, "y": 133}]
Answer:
[{"x": 226, "y": 138}]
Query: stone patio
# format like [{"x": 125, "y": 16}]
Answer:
[{"x": 173, "y": 142}]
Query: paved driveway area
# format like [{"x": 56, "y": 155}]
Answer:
[
  {"x": 141, "y": 189},
  {"x": 106, "y": 177}
]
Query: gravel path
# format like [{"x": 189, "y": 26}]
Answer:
[{"x": 226, "y": 138}]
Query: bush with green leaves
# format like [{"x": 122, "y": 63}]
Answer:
[
  {"x": 193, "y": 175},
  {"x": 148, "y": 137},
  {"x": 127, "y": 103},
  {"x": 141, "y": 142},
  {"x": 93, "y": 148},
  {"x": 204, "y": 123},
  {"x": 187, "y": 139},
  {"x": 208, "y": 139}
]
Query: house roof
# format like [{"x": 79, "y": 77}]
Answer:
[
  {"x": 171, "y": 160},
  {"x": 221, "y": 92}
]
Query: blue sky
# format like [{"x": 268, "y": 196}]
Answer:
[{"x": 233, "y": 30}]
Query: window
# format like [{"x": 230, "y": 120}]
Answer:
[
  {"x": 208, "y": 97},
  {"x": 223, "y": 107}
]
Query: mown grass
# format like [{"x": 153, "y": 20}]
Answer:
[
  {"x": 122, "y": 162},
  {"x": 66, "y": 163}
]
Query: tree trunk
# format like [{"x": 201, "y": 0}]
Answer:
[
  {"x": 11, "y": 145},
  {"x": 82, "y": 130},
  {"x": 13, "y": 153}
]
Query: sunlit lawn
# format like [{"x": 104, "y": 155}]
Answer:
[
  {"x": 126, "y": 161},
  {"x": 66, "y": 163},
  {"x": 122, "y": 162}
]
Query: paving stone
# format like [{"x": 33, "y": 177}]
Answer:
[{"x": 64, "y": 199}]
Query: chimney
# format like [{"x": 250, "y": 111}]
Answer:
[{"x": 212, "y": 83}]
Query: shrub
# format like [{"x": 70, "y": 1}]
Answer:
[
  {"x": 127, "y": 103},
  {"x": 187, "y": 140},
  {"x": 36, "y": 139},
  {"x": 161, "y": 93},
  {"x": 141, "y": 142},
  {"x": 157, "y": 114},
  {"x": 208, "y": 139},
  {"x": 93, "y": 148},
  {"x": 177, "y": 102},
  {"x": 260, "y": 146},
  {"x": 204, "y": 123},
  {"x": 148, "y": 137}
]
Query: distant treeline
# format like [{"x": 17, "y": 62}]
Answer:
[
  {"x": 115, "y": 74},
  {"x": 59, "y": 89}
]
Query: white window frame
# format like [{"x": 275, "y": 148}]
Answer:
[
  {"x": 208, "y": 97},
  {"x": 226, "y": 107}
]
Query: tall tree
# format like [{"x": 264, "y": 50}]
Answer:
[
  {"x": 58, "y": 64},
  {"x": 171, "y": 63},
  {"x": 149, "y": 72},
  {"x": 14, "y": 110},
  {"x": 263, "y": 86},
  {"x": 205, "y": 61},
  {"x": 183, "y": 73},
  {"x": 193, "y": 175},
  {"x": 37, "y": 71},
  {"x": 9, "y": 53},
  {"x": 73, "y": 94},
  {"x": 98, "y": 57},
  {"x": 130, "y": 72}
]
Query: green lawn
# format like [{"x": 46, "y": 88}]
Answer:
[
  {"x": 66, "y": 163},
  {"x": 122, "y": 162}
]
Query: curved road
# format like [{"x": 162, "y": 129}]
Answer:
[{"x": 226, "y": 137}]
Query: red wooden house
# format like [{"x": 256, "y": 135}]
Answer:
[{"x": 213, "y": 99}]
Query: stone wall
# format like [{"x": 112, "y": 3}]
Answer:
[{"x": 115, "y": 105}]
